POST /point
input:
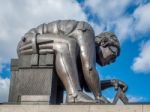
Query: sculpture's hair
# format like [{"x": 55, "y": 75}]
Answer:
[{"x": 107, "y": 39}]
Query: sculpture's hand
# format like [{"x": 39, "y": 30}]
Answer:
[
  {"x": 119, "y": 84},
  {"x": 25, "y": 47}
]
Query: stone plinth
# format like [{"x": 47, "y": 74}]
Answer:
[
  {"x": 75, "y": 108},
  {"x": 34, "y": 75}
]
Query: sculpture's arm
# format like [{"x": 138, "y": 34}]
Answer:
[
  {"x": 113, "y": 83},
  {"x": 29, "y": 37},
  {"x": 43, "y": 43}
]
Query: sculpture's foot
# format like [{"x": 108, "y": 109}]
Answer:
[
  {"x": 102, "y": 100},
  {"x": 80, "y": 98}
]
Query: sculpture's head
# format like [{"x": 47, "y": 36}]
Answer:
[{"x": 107, "y": 48}]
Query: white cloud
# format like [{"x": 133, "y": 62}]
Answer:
[
  {"x": 142, "y": 62},
  {"x": 142, "y": 16},
  {"x": 108, "y": 9},
  {"x": 97, "y": 29},
  {"x": 17, "y": 17},
  {"x": 131, "y": 98},
  {"x": 113, "y": 17},
  {"x": 124, "y": 28},
  {"x": 0, "y": 66},
  {"x": 135, "y": 98},
  {"x": 4, "y": 89}
]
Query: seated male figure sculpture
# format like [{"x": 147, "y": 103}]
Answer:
[{"x": 71, "y": 39}]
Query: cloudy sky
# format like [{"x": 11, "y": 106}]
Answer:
[{"x": 128, "y": 19}]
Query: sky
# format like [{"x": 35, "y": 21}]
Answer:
[{"x": 128, "y": 19}]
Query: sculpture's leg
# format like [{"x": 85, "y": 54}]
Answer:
[
  {"x": 67, "y": 71},
  {"x": 87, "y": 54}
]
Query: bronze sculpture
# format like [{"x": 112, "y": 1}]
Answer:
[{"x": 77, "y": 51}]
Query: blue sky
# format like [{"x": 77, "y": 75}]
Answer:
[{"x": 128, "y": 19}]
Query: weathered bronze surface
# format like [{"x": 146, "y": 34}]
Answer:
[{"x": 76, "y": 50}]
